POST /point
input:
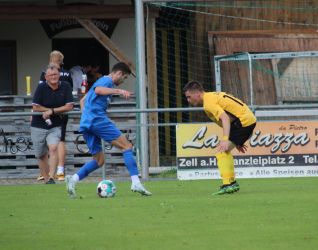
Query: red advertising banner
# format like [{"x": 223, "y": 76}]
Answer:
[{"x": 276, "y": 149}]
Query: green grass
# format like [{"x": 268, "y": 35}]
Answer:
[
  {"x": 265, "y": 214},
  {"x": 169, "y": 174}
]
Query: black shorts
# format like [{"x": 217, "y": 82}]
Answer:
[
  {"x": 238, "y": 134},
  {"x": 63, "y": 127}
]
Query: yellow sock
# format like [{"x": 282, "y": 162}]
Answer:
[{"x": 225, "y": 163}]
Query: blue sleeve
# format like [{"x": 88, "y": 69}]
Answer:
[{"x": 105, "y": 82}]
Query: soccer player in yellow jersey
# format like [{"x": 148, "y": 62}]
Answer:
[{"x": 237, "y": 121}]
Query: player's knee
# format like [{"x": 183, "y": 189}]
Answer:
[
  {"x": 101, "y": 162},
  {"x": 122, "y": 143},
  {"x": 100, "y": 159}
]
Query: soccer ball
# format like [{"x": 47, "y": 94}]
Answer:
[{"x": 106, "y": 189}]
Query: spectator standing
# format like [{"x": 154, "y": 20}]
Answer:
[
  {"x": 56, "y": 57},
  {"x": 77, "y": 73},
  {"x": 52, "y": 97}
]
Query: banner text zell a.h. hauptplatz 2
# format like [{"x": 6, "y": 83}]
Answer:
[{"x": 276, "y": 149}]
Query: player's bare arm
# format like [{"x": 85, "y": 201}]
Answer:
[{"x": 110, "y": 91}]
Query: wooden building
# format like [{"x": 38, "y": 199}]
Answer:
[
  {"x": 181, "y": 39},
  {"x": 261, "y": 27},
  {"x": 82, "y": 31}
]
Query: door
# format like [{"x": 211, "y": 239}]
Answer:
[
  {"x": 8, "y": 68},
  {"x": 81, "y": 51}
]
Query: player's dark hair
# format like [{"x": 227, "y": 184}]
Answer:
[
  {"x": 121, "y": 66},
  {"x": 193, "y": 85}
]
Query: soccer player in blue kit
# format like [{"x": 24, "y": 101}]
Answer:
[{"x": 95, "y": 126}]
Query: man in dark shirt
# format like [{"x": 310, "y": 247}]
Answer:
[
  {"x": 52, "y": 98},
  {"x": 56, "y": 57}
]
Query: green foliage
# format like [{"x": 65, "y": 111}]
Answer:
[{"x": 265, "y": 214}]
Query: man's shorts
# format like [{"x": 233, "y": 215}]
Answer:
[
  {"x": 41, "y": 138},
  {"x": 238, "y": 134},
  {"x": 105, "y": 130}
]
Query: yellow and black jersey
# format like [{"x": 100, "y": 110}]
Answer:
[{"x": 215, "y": 103}]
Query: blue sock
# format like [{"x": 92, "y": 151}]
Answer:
[
  {"x": 130, "y": 162},
  {"x": 87, "y": 169}
]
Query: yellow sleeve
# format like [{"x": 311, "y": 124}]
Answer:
[{"x": 211, "y": 108}]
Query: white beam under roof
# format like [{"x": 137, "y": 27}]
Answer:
[{"x": 244, "y": 55}]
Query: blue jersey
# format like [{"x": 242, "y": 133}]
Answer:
[{"x": 95, "y": 106}]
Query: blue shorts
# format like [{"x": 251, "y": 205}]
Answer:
[{"x": 105, "y": 130}]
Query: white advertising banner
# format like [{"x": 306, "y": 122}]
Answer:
[{"x": 276, "y": 149}]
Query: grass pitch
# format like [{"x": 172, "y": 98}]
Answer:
[{"x": 265, "y": 214}]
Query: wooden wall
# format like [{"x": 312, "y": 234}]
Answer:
[
  {"x": 239, "y": 17},
  {"x": 268, "y": 88},
  {"x": 280, "y": 14}
]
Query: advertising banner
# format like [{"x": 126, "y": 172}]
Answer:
[{"x": 276, "y": 149}]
